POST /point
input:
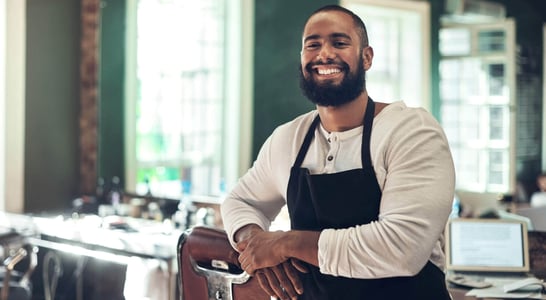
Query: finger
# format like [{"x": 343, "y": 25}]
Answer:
[
  {"x": 248, "y": 268},
  {"x": 240, "y": 246},
  {"x": 293, "y": 276},
  {"x": 275, "y": 285},
  {"x": 284, "y": 282},
  {"x": 299, "y": 265},
  {"x": 242, "y": 260},
  {"x": 264, "y": 283},
  {"x": 245, "y": 263}
]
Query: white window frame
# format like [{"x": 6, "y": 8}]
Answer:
[
  {"x": 12, "y": 87},
  {"x": 481, "y": 198}
]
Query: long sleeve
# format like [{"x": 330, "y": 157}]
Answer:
[{"x": 414, "y": 167}]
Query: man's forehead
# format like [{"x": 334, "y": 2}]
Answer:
[{"x": 329, "y": 23}]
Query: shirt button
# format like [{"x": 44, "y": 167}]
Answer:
[
  {"x": 330, "y": 158},
  {"x": 329, "y": 140}
]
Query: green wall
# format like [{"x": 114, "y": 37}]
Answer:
[
  {"x": 277, "y": 33},
  {"x": 111, "y": 151},
  {"x": 52, "y": 104}
]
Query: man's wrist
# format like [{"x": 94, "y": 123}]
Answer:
[
  {"x": 245, "y": 232},
  {"x": 302, "y": 245}
]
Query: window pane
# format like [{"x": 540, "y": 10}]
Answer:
[
  {"x": 454, "y": 41},
  {"x": 491, "y": 41},
  {"x": 497, "y": 86},
  {"x": 497, "y": 123},
  {"x": 180, "y": 72},
  {"x": 497, "y": 167}
]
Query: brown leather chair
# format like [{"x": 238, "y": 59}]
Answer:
[{"x": 209, "y": 269}]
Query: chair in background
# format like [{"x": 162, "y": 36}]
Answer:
[
  {"x": 19, "y": 259},
  {"x": 537, "y": 253},
  {"x": 209, "y": 268},
  {"x": 536, "y": 215}
]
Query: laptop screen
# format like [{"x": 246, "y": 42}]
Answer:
[{"x": 487, "y": 245}]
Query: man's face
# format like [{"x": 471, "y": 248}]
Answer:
[{"x": 332, "y": 65}]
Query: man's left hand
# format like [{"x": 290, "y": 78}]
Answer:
[{"x": 261, "y": 250}]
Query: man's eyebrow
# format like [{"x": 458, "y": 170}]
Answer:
[
  {"x": 340, "y": 35},
  {"x": 333, "y": 35},
  {"x": 311, "y": 37}
]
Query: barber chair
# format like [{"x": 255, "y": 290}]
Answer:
[
  {"x": 19, "y": 260},
  {"x": 209, "y": 268}
]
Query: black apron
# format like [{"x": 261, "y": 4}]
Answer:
[{"x": 347, "y": 199}]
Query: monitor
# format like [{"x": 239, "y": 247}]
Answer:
[{"x": 496, "y": 245}]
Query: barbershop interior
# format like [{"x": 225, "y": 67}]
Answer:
[{"x": 125, "y": 123}]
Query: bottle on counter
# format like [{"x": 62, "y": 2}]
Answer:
[
  {"x": 115, "y": 195},
  {"x": 99, "y": 191},
  {"x": 184, "y": 216}
]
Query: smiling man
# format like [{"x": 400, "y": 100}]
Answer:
[{"x": 368, "y": 185}]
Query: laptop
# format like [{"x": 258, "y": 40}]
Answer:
[
  {"x": 537, "y": 215},
  {"x": 487, "y": 248}
]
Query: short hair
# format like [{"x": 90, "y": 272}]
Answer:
[{"x": 359, "y": 24}]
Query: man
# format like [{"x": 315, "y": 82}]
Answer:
[
  {"x": 538, "y": 198},
  {"x": 367, "y": 206}
]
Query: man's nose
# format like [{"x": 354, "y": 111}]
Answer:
[{"x": 326, "y": 53}]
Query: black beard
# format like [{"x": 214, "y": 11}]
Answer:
[{"x": 329, "y": 94}]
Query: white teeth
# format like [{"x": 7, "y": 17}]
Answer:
[{"x": 328, "y": 71}]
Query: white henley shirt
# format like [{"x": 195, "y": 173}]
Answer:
[{"x": 414, "y": 169}]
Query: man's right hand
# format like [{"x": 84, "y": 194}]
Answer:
[{"x": 282, "y": 281}]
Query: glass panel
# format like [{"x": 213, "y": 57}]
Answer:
[
  {"x": 469, "y": 122},
  {"x": 454, "y": 41},
  {"x": 496, "y": 79},
  {"x": 497, "y": 166},
  {"x": 491, "y": 41},
  {"x": 497, "y": 125},
  {"x": 450, "y": 123},
  {"x": 467, "y": 174},
  {"x": 180, "y": 95},
  {"x": 470, "y": 83}
]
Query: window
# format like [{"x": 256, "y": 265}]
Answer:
[
  {"x": 183, "y": 96},
  {"x": 477, "y": 87},
  {"x": 399, "y": 35}
]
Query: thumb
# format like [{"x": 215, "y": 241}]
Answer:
[{"x": 241, "y": 246}]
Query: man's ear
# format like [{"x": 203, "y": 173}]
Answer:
[{"x": 367, "y": 57}]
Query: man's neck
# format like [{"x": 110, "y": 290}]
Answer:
[{"x": 345, "y": 117}]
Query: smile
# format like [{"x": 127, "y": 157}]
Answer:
[{"x": 328, "y": 71}]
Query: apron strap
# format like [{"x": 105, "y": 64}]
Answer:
[
  {"x": 306, "y": 142},
  {"x": 367, "y": 133}
]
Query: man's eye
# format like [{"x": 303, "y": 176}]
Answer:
[
  {"x": 340, "y": 44},
  {"x": 312, "y": 46}
]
